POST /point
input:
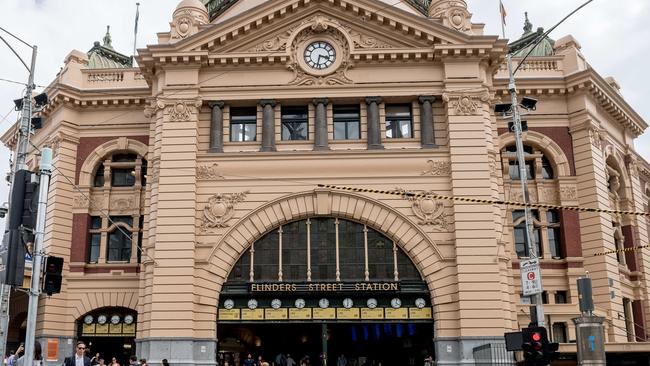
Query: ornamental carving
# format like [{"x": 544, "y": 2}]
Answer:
[
  {"x": 154, "y": 106},
  {"x": 84, "y": 202},
  {"x": 632, "y": 165},
  {"x": 517, "y": 196},
  {"x": 549, "y": 195},
  {"x": 453, "y": 13},
  {"x": 182, "y": 111},
  {"x": 438, "y": 168},
  {"x": 595, "y": 137},
  {"x": 54, "y": 143},
  {"x": 339, "y": 75},
  {"x": 430, "y": 211},
  {"x": 208, "y": 172},
  {"x": 122, "y": 204},
  {"x": 568, "y": 193},
  {"x": 220, "y": 209},
  {"x": 466, "y": 104},
  {"x": 186, "y": 22}
]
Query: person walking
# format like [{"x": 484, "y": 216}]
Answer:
[
  {"x": 114, "y": 362},
  {"x": 249, "y": 361},
  {"x": 290, "y": 361},
  {"x": 79, "y": 358},
  {"x": 342, "y": 361},
  {"x": 165, "y": 362},
  {"x": 95, "y": 360},
  {"x": 38, "y": 357}
]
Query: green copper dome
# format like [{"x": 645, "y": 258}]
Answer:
[
  {"x": 523, "y": 45},
  {"x": 103, "y": 56}
]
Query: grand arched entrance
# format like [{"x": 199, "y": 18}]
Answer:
[{"x": 325, "y": 287}]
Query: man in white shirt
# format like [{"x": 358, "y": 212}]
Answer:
[{"x": 79, "y": 358}]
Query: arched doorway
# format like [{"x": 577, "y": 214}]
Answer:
[
  {"x": 109, "y": 331},
  {"x": 324, "y": 287}
]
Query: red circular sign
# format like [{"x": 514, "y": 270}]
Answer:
[{"x": 531, "y": 276}]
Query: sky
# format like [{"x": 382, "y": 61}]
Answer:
[{"x": 613, "y": 35}]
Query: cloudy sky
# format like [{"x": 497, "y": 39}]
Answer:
[{"x": 612, "y": 33}]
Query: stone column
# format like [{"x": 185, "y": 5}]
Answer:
[
  {"x": 216, "y": 126},
  {"x": 268, "y": 125},
  {"x": 320, "y": 137},
  {"x": 426, "y": 121},
  {"x": 374, "y": 130}
]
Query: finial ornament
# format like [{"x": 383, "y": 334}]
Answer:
[
  {"x": 107, "y": 38},
  {"x": 528, "y": 26},
  {"x": 452, "y": 13}
]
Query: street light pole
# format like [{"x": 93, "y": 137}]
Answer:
[{"x": 21, "y": 155}]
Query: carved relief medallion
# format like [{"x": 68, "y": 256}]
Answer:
[
  {"x": 438, "y": 168},
  {"x": 208, "y": 172},
  {"x": 430, "y": 211},
  {"x": 220, "y": 209}
]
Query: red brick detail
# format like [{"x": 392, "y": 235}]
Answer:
[
  {"x": 80, "y": 237},
  {"x": 104, "y": 269},
  {"x": 560, "y": 135},
  {"x": 561, "y": 265},
  {"x": 570, "y": 233},
  {"x": 630, "y": 239},
  {"x": 89, "y": 144},
  {"x": 639, "y": 320}
]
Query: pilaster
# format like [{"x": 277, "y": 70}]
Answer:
[
  {"x": 483, "y": 298},
  {"x": 596, "y": 231},
  {"x": 172, "y": 299}
]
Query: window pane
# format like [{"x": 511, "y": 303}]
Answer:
[
  {"x": 351, "y": 250},
  {"x": 547, "y": 169},
  {"x": 561, "y": 297},
  {"x": 93, "y": 250},
  {"x": 122, "y": 177},
  {"x": 559, "y": 333},
  {"x": 241, "y": 271},
  {"x": 243, "y": 123},
  {"x": 266, "y": 257},
  {"x": 323, "y": 249},
  {"x": 380, "y": 257},
  {"x": 250, "y": 132},
  {"x": 99, "y": 176},
  {"x": 294, "y": 131},
  {"x": 399, "y": 121},
  {"x": 294, "y": 251},
  {"x": 119, "y": 245},
  {"x": 95, "y": 222},
  {"x": 236, "y": 132},
  {"x": 122, "y": 219},
  {"x": 346, "y": 122},
  {"x": 406, "y": 268},
  {"x": 554, "y": 242},
  {"x": 124, "y": 158}
]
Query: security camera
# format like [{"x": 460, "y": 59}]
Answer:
[{"x": 3, "y": 210}]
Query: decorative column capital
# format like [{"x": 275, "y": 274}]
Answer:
[
  {"x": 426, "y": 98},
  {"x": 370, "y": 100},
  {"x": 216, "y": 103},
  {"x": 265, "y": 102},
  {"x": 466, "y": 103},
  {"x": 318, "y": 101}
]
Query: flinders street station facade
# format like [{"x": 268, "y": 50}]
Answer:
[{"x": 218, "y": 199}]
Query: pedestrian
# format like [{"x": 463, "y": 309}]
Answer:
[
  {"x": 428, "y": 361},
  {"x": 280, "y": 360},
  {"x": 101, "y": 362},
  {"x": 143, "y": 362},
  {"x": 261, "y": 362},
  {"x": 249, "y": 361},
  {"x": 165, "y": 362},
  {"x": 290, "y": 361},
  {"x": 113, "y": 362},
  {"x": 38, "y": 358},
  {"x": 13, "y": 356},
  {"x": 95, "y": 360},
  {"x": 133, "y": 361},
  {"x": 342, "y": 361},
  {"x": 79, "y": 358}
]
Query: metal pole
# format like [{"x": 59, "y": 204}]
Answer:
[
  {"x": 37, "y": 258},
  {"x": 523, "y": 178},
  {"x": 21, "y": 152}
]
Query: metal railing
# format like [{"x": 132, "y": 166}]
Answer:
[{"x": 493, "y": 354}]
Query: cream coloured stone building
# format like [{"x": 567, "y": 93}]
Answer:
[{"x": 189, "y": 207}]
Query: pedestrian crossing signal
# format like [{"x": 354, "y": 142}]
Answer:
[{"x": 52, "y": 275}]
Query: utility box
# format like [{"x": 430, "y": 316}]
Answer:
[{"x": 590, "y": 340}]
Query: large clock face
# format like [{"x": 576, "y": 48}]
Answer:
[{"x": 320, "y": 55}]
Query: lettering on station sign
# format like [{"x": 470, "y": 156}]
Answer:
[{"x": 325, "y": 287}]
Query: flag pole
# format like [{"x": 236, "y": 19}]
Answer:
[{"x": 135, "y": 30}]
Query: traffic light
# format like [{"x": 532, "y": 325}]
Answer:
[
  {"x": 52, "y": 275},
  {"x": 30, "y": 207},
  {"x": 534, "y": 344}
]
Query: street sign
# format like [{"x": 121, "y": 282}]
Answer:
[{"x": 531, "y": 279}]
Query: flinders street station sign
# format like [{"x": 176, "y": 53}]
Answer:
[{"x": 309, "y": 287}]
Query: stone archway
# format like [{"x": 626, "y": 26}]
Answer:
[
  {"x": 100, "y": 153},
  {"x": 419, "y": 247}
]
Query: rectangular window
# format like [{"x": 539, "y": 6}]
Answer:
[
  {"x": 122, "y": 177},
  {"x": 399, "y": 121},
  {"x": 553, "y": 231},
  {"x": 519, "y": 234},
  {"x": 243, "y": 124},
  {"x": 93, "y": 244},
  {"x": 544, "y": 297},
  {"x": 295, "y": 123},
  {"x": 561, "y": 297},
  {"x": 559, "y": 333},
  {"x": 347, "y": 122},
  {"x": 119, "y": 245}
]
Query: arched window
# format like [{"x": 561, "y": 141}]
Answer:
[
  {"x": 324, "y": 249},
  {"x": 115, "y": 212},
  {"x": 537, "y": 164}
]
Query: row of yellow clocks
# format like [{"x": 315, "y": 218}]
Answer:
[
  {"x": 115, "y": 319},
  {"x": 325, "y": 303}
]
